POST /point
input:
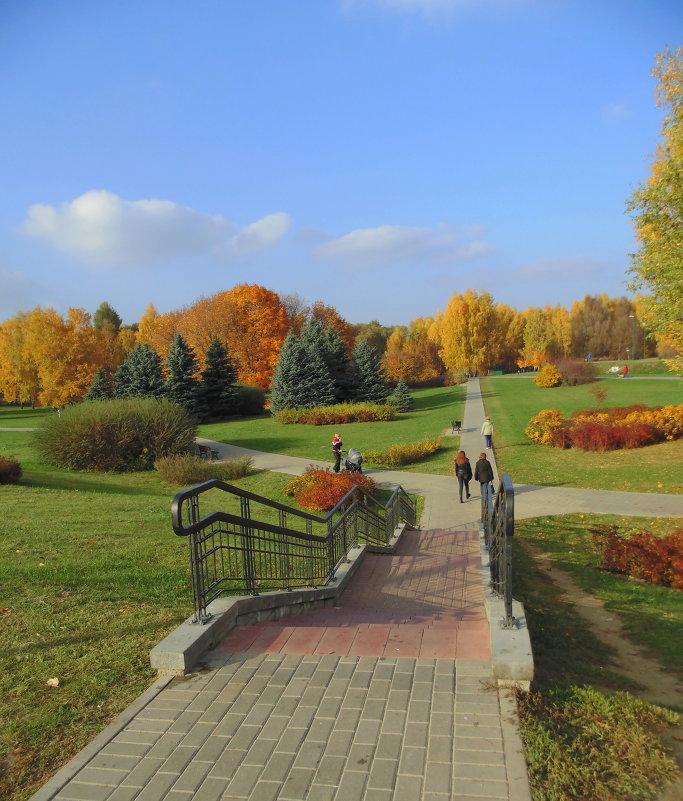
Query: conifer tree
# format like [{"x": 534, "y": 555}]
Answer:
[
  {"x": 401, "y": 397},
  {"x": 101, "y": 387},
  {"x": 218, "y": 395},
  {"x": 371, "y": 383},
  {"x": 140, "y": 375},
  {"x": 301, "y": 379},
  {"x": 182, "y": 385},
  {"x": 106, "y": 315}
]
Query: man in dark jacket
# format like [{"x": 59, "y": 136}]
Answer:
[{"x": 483, "y": 473}]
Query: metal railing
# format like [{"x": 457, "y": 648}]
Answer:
[
  {"x": 498, "y": 522},
  {"x": 234, "y": 553}
]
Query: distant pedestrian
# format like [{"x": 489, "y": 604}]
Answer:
[
  {"x": 483, "y": 473},
  {"x": 626, "y": 371},
  {"x": 337, "y": 452},
  {"x": 463, "y": 472},
  {"x": 487, "y": 431}
]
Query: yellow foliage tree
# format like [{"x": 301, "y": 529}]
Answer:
[{"x": 466, "y": 332}]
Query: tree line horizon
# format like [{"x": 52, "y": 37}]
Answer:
[{"x": 52, "y": 360}]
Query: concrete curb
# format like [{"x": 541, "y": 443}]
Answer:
[
  {"x": 184, "y": 647},
  {"x": 64, "y": 775},
  {"x": 512, "y": 659}
]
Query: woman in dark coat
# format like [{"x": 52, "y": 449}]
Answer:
[
  {"x": 463, "y": 472},
  {"x": 483, "y": 473}
]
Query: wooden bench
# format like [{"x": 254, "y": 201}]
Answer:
[{"x": 206, "y": 452}]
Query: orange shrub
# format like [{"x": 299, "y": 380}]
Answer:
[
  {"x": 542, "y": 426},
  {"x": 321, "y": 489},
  {"x": 338, "y": 414},
  {"x": 548, "y": 376}
]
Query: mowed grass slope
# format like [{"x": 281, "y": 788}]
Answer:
[
  {"x": 91, "y": 578},
  {"x": 434, "y": 409},
  {"x": 512, "y": 401}
]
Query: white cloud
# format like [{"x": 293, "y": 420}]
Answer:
[
  {"x": 102, "y": 228},
  {"x": 260, "y": 235},
  {"x": 393, "y": 243}
]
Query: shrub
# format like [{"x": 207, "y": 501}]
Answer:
[
  {"x": 410, "y": 453},
  {"x": 589, "y": 436},
  {"x": 548, "y": 376},
  {"x": 321, "y": 489},
  {"x": 365, "y": 412},
  {"x": 10, "y": 471},
  {"x": 184, "y": 469},
  {"x": 250, "y": 400},
  {"x": 574, "y": 372},
  {"x": 542, "y": 426},
  {"x": 116, "y": 435},
  {"x": 646, "y": 556}
]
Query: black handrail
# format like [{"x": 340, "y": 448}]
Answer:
[
  {"x": 498, "y": 523},
  {"x": 234, "y": 553}
]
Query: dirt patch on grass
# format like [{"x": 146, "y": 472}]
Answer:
[{"x": 658, "y": 686}]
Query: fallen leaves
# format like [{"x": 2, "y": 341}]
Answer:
[{"x": 54, "y": 682}]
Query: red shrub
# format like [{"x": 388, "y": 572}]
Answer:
[
  {"x": 322, "y": 489},
  {"x": 590, "y": 436},
  {"x": 10, "y": 471},
  {"x": 646, "y": 556}
]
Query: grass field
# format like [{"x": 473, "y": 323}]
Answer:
[
  {"x": 511, "y": 401},
  {"x": 91, "y": 578},
  {"x": 636, "y": 367},
  {"x": 433, "y": 412},
  {"x": 586, "y": 732}
]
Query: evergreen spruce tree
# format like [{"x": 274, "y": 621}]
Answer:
[
  {"x": 182, "y": 385},
  {"x": 218, "y": 396},
  {"x": 339, "y": 364},
  {"x": 401, "y": 397},
  {"x": 371, "y": 384},
  {"x": 301, "y": 379},
  {"x": 140, "y": 375},
  {"x": 106, "y": 315},
  {"x": 101, "y": 387}
]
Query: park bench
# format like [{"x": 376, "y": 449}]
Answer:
[
  {"x": 456, "y": 425},
  {"x": 205, "y": 452}
]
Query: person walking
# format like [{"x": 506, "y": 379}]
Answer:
[
  {"x": 336, "y": 452},
  {"x": 487, "y": 431},
  {"x": 463, "y": 472},
  {"x": 483, "y": 473}
]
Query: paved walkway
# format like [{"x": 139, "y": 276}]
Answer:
[{"x": 388, "y": 696}]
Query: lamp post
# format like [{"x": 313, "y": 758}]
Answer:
[{"x": 632, "y": 317}]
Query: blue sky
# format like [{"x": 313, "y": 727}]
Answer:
[{"x": 377, "y": 155}]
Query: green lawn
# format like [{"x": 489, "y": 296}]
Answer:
[
  {"x": 433, "y": 412},
  {"x": 513, "y": 400},
  {"x": 636, "y": 367}
]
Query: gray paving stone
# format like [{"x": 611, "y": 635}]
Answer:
[
  {"x": 156, "y": 787},
  {"x": 165, "y": 745},
  {"x": 285, "y": 706},
  {"x": 211, "y": 789},
  {"x": 441, "y": 724},
  {"x": 329, "y": 707},
  {"x": 419, "y": 711},
  {"x": 215, "y": 713},
  {"x": 321, "y": 792},
  {"x": 258, "y": 715},
  {"x": 339, "y": 743},
  {"x": 107, "y": 777},
  {"x": 291, "y": 740},
  {"x": 178, "y": 760},
  {"x": 244, "y": 737},
  {"x": 394, "y": 721},
  {"x": 383, "y": 773},
  {"x": 367, "y": 731},
  {"x": 120, "y": 794},
  {"x": 408, "y": 788},
  {"x": 230, "y": 692},
  {"x": 477, "y": 731},
  {"x": 354, "y": 699},
  {"x": 376, "y": 794},
  {"x": 226, "y": 764},
  {"x": 243, "y": 704},
  {"x": 295, "y": 688},
  {"x": 256, "y": 684},
  {"x": 265, "y": 791},
  {"x": 113, "y": 761},
  {"x": 389, "y": 746},
  {"x": 398, "y": 699},
  {"x": 320, "y": 730},
  {"x": 185, "y": 722},
  {"x": 260, "y": 752},
  {"x": 486, "y": 789},
  {"x": 78, "y": 791},
  {"x": 347, "y": 720},
  {"x": 373, "y": 709},
  {"x": 296, "y": 784},
  {"x": 422, "y": 691},
  {"x": 302, "y": 717},
  {"x": 416, "y": 734},
  {"x": 118, "y": 748},
  {"x": 360, "y": 757},
  {"x": 351, "y": 786},
  {"x": 485, "y": 744},
  {"x": 193, "y": 775},
  {"x": 330, "y": 770},
  {"x": 229, "y": 724},
  {"x": 437, "y": 778},
  {"x": 482, "y": 772},
  {"x": 142, "y": 772},
  {"x": 440, "y": 749},
  {"x": 412, "y": 761},
  {"x": 361, "y": 679},
  {"x": 274, "y": 727},
  {"x": 278, "y": 766},
  {"x": 309, "y": 755},
  {"x": 424, "y": 673},
  {"x": 405, "y": 665},
  {"x": 402, "y": 681},
  {"x": 243, "y": 782},
  {"x": 444, "y": 683},
  {"x": 312, "y": 696},
  {"x": 379, "y": 689},
  {"x": 212, "y": 749}
]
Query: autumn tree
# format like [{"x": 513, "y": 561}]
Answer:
[
  {"x": 19, "y": 378},
  {"x": 590, "y": 324},
  {"x": 656, "y": 209},
  {"x": 537, "y": 339},
  {"x": 329, "y": 317},
  {"x": 375, "y": 334},
  {"x": 466, "y": 332}
]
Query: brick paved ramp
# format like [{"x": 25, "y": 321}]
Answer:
[
  {"x": 426, "y": 600},
  {"x": 283, "y": 726}
]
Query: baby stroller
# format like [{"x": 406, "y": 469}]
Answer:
[{"x": 353, "y": 461}]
